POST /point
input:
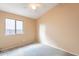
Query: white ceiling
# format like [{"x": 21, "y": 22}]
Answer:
[{"x": 24, "y": 10}]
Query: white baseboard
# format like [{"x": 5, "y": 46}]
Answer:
[{"x": 61, "y": 49}]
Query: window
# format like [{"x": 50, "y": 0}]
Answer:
[
  {"x": 13, "y": 27},
  {"x": 10, "y": 27},
  {"x": 19, "y": 27}
]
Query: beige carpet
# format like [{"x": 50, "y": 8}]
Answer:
[{"x": 35, "y": 50}]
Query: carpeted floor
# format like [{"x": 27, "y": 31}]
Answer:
[{"x": 35, "y": 50}]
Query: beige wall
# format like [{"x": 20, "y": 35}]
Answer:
[
  {"x": 61, "y": 27},
  {"x": 7, "y": 42}
]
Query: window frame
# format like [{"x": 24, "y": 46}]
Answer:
[{"x": 15, "y": 31}]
